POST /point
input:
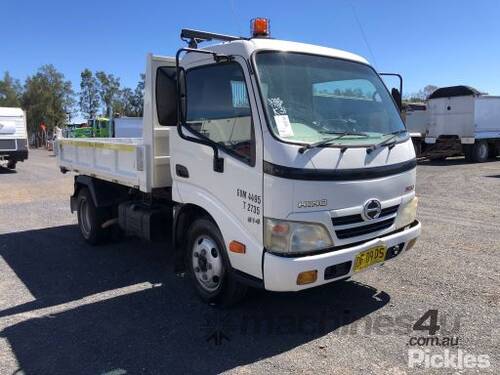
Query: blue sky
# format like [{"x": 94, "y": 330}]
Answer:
[{"x": 440, "y": 42}]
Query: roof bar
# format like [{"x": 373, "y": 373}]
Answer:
[{"x": 197, "y": 36}]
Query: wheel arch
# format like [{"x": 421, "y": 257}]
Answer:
[
  {"x": 103, "y": 193},
  {"x": 184, "y": 215}
]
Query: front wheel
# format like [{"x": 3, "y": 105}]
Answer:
[
  {"x": 11, "y": 164},
  {"x": 209, "y": 266}
]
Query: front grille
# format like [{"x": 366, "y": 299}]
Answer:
[
  {"x": 7, "y": 144},
  {"x": 365, "y": 229},
  {"x": 361, "y": 230}
]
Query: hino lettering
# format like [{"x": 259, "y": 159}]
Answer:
[
  {"x": 235, "y": 135},
  {"x": 316, "y": 203}
]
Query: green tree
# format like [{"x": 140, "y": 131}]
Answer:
[
  {"x": 89, "y": 95},
  {"x": 10, "y": 91},
  {"x": 421, "y": 95},
  {"x": 47, "y": 98},
  {"x": 125, "y": 105},
  {"x": 129, "y": 102},
  {"x": 138, "y": 97},
  {"x": 109, "y": 89}
]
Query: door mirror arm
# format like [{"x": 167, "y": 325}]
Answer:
[{"x": 218, "y": 163}]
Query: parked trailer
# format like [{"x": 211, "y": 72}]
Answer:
[
  {"x": 13, "y": 136},
  {"x": 462, "y": 121},
  {"x": 264, "y": 165}
]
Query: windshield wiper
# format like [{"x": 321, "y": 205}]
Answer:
[
  {"x": 328, "y": 141},
  {"x": 390, "y": 142}
]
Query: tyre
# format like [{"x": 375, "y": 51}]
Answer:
[
  {"x": 209, "y": 267},
  {"x": 468, "y": 152},
  {"x": 91, "y": 218},
  {"x": 11, "y": 164},
  {"x": 493, "y": 151},
  {"x": 480, "y": 152}
]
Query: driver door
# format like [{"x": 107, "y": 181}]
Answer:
[{"x": 220, "y": 112}]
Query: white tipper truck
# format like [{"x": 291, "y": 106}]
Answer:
[{"x": 274, "y": 164}]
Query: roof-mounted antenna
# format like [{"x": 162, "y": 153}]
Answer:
[{"x": 193, "y": 37}]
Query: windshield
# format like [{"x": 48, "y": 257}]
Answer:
[{"x": 312, "y": 98}]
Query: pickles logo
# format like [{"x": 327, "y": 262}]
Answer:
[{"x": 310, "y": 204}]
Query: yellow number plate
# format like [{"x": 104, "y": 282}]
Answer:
[{"x": 368, "y": 257}]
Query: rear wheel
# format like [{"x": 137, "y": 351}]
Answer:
[
  {"x": 91, "y": 218},
  {"x": 209, "y": 266},
  {"x": 480, "y": 152},
  {"x": 493, "y": 151},
  {"x": 11, "y": 164}
]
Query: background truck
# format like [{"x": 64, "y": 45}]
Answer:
[
  {"x": 459, "y": 120},
  {"x": 99, "y": 127},
  {"x": 127, "y": 127},
  {"x": 13, "y": 136},
  {"x": 268, "y": 163}
]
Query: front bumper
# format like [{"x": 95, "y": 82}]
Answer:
[{"x": 280, "y": 273}]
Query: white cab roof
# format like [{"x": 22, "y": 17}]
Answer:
[
  {"x": 283, "y": 45},
  {"x": 245, "y": 48}
]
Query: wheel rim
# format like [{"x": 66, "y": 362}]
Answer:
[
  {"x": 207, "y": 263},
  {"x": 483, "y": 151},
  {"x": 85, "y": 219}
]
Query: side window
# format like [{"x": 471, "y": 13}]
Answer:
[{"x": 218, "y": 108}]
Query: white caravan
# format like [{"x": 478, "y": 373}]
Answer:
[
  {"x": 13, "y": 136},
  {"x": 276, "y": 165}
]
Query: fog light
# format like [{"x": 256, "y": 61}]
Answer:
[
  {"x": 307, "y": 277},
  {"x": 411, "y": 243}
]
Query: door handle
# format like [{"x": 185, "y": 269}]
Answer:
[{"x": 181, "y": 171}]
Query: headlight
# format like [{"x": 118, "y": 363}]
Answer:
[
  {"x": 407, "y": 213},
  {"x": 283, "y": 236}
]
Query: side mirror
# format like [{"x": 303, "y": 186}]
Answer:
[
  {"x": 397, "y": 98},
  {"x": 218, "y": 162}
]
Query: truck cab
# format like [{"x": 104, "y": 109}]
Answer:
[
  {"x": 287, "y": 165},
  {"x": 313, "y": 176}
]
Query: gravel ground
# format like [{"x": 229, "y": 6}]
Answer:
[{"x": 67, "y": 308}]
